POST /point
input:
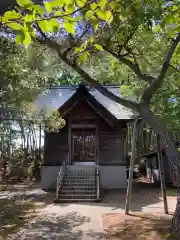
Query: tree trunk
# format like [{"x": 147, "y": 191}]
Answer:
[
  {"x": 131, "y": 166},
  {"x": 174, "y": 159},
  {"x": 161, "y": 174}
]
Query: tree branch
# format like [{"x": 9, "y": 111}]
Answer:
[
  {"x": 54, "y": 45},
  {"x": 133, "y": 66},
  {"x": 149, "y": 91},
  {"x": 52, "y": 16},
  {"x": 75, "y": 44}
]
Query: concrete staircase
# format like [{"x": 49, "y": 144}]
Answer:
[{"x": 80, "y": 183}]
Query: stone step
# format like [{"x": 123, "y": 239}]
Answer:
[
  {"x": 76, "y": 196},
  {"x": 80, "y": 169},
  {"x": 79, "y": 180},
  {"x": 74, "y": 181},
  {"x": 59, "y": 200},
  {"x": 74, "y": 185},
  {"x": 79, "y": 176},
  {"x": 79, "y": 184},
  {"x": 81, "y": 172},
  {"x": 68, "y": 187},
  {"x": 77, "y": 191}
]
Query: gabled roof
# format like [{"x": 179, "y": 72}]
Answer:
[{"x": 54, "y": 98}]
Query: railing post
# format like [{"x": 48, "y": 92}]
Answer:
[
  {"x": 98, "y": 181},
  {"x": 57, "y": 189},
  {"x": 61, "y": 173}
]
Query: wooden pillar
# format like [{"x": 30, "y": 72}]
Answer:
[
  {"x": 130, "y": 178},
  {"x": 69, "y": 140},
  {"x": 151, "y": 173},
  {"x": 161, "y": 175},
  {"x": 97, "y": 143},
  {"x": 40, "y": 136}
]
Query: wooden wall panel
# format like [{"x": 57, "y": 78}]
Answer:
[
  {"x": 56, "y": 148},
  {"x": 82, "y": 111},
  {"x": 111, "y": 146}
]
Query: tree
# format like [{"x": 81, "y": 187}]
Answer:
[
  {"x": 23, "y": 77},
  {"x": 79, "y": 30}
]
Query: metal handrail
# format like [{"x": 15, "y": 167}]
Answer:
[
  {"x": 98, "y": 181},
  {"x": 61, "y": 173}
]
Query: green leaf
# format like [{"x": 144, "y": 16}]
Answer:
[
  {"x": 27, "y": 39},
  {"x": 44, "y": 25},
  {"x": 81, "y": 3},
  {"x": 93, "y": 6},
  {"x": 105, "y": 15},
  {"x": 14, "y": 25},
  {"x": 58, "y": 3},
  {"x": 30, "y": 29},
  {"x": 54, "y": 25},
  {"x": 20, "y": 36},
  {"x": 78, "y": 50},
  {"x": 38, "y": 9},
  {"x": 98, "y": 47},
  {"x": 70, "y": 8},
  {"x": 122, "y": 18},
  {"x": 25, "y": 3},
  {"x": 178, "y": 28},
  {"x": 23, "y": 36},
  {"x": 101, "y": 15},
  {"x": 89, "y": 14},
  {"x": 58, "y": 13},
  {"x": 102, "y": 4},
  {"x": 91, "y": 40},
  {"x": 157, "y": 29},
  {"x": 123, "y": 87},
  {"x": 113, "y": 5},
  {"x": 109, "y": 16},
  {"x": 95, "y": 23},
  {"x": 29, "y": 18},
  {"x": 126, "y": 90},
  {"x": 70, "y": 27},
  {"x": 48, "y": 7},
  {"x": 9, "y": 15},
  {"x": 83, "y": 57},
  {"x": 78, "y": 18}
]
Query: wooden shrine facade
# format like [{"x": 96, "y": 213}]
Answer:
[{"x": 92, "y": 133}]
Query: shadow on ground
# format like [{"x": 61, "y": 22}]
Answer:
[
  {"x": 143, "y": 195},
  {"x": 53, "y": 227},
  {"x": 26, "y": 191},
  {"x": 13, "y": 214},
  {"x": 136, "y": 227},
  {"x": 18, "y": 204}
]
